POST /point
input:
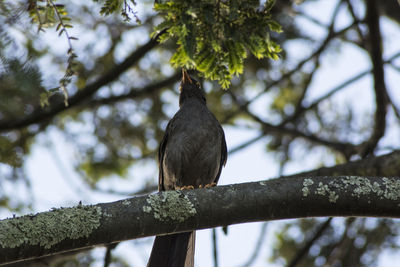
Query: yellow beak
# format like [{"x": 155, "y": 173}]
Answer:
[{"x": 185, "y": 77}]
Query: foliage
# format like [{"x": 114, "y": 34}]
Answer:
[
  {"x": 21, "y": 82},
  {"x": 125, "y": 8},
  {"x": 213, "y": 36},
  {"x": 48, "y": 14}
]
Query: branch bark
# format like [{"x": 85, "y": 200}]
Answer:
[
  {"x": 385, "y": 165},
  {"x": 69, "y": 229}
]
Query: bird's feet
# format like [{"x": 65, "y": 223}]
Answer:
[
  {"x": 186, "y": 187},
  {"x": 208, "y": 185}
]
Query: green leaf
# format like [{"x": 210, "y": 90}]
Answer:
[
  {"x": 44, "y": 100},
  {"x": 235, "y": 57},
  {"x": 214, "y": 37},
  {"x": 269, "y": 4},
  {"x": 256, "y": 46},
  {"x": 275, "y": 26}
]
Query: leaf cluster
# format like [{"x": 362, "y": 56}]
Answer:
[
  {"x": 214, "y": 37},
  {"x": 123, "y": 6}
]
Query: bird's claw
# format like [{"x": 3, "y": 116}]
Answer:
[
  {"x": 208, "y": 185},
  {"x": 185, "y": 187}
]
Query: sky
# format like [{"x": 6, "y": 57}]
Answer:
[{"x": 55, "y": 182}]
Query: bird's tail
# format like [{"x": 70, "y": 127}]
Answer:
[{"x": 176, "y": 250}]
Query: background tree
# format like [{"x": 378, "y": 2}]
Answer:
[{"x": 85, "y": 82}]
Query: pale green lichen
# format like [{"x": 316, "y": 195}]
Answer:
[
  {"x": 362, "y": 186},
  {"x": 126, "y": 202},
  {"x": 49, "y": 228},
  {"x": 333, "y": 197},
  {"x": 392, "y": 190},
  {"x": 170, "y": 205},
  {"x": 306, "y": 182},
  {"x": 147, "y": 209},
  {"x": 359, "y": 186},
  {"x": 322, "y": 189}
]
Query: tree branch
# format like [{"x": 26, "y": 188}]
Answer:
[
  {"x": 314, "y": 104},
  {"x": 386, "y": 165},
  {"x": 69, "y": 229},
  {"x": 331, "y": 35},
  {"x": 361, "y": 37},
  {"x": 82, "y": 94},
  {"x": 267, "y": 128},
  {"x": 381, "y": 100},
  {"x": 136, "y": 92},
  {"x": 304, "y": 250},
  {"x": 257, "y": 247},
  {"x": 215, "y": 247}
]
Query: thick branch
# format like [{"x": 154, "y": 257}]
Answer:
[
  {"x": 135, "y": 92},
  {"x": 82, "y": 94},
  {"x": 62, "y": 230},
  {"x": 386, "y": 165}
]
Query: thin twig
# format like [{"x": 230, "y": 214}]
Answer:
[
  {"x": 356, "y": 21},
  {"x": 257, "y": 248},
  {"x": 215, "y": 247},
  {"x": 381, "y": 98},
  {"x": 108, "y": 256},
  {"x": 63, "y": 27},
  {"x": 311, "y": 19},
  {"x": 134, "y": 92},
  {"x": 301, "y": 253},
  {"x": 341, "y": 245},
  {"x": 71, "y": 55},
  {"x": 299, "y": 107},
  {"x": 343, "y": 85},
  {"x": 345, "y": 148},
  {"x": 330, "y": 36}
]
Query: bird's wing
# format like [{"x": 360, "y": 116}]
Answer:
[
  {"x": 224, "y": 156},
  {"x": 161, "y": 152}
]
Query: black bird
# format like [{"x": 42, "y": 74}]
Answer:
[{"x": 191, "y": 155}]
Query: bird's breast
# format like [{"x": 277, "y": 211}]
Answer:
[{"x": 193, "y": 152}]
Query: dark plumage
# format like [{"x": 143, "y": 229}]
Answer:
[{"x": 192, "y": 153}]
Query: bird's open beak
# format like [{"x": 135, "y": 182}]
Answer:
[{"x": 185, "y": 77}]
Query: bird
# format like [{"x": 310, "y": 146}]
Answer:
[{"x": 191, "y": 155}]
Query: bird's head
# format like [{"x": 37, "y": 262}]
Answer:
[{"x": 189, "y": 88}]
